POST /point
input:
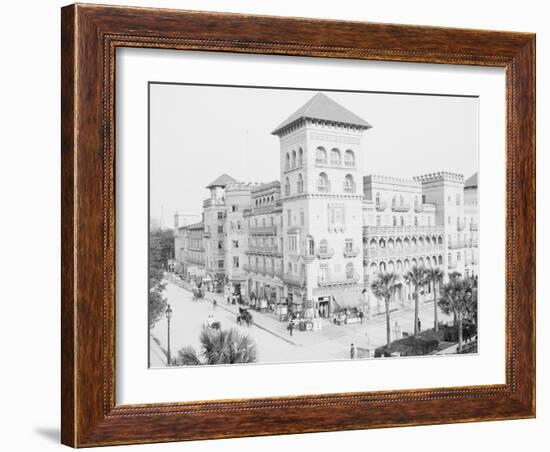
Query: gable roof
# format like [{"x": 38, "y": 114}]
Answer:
[
  {"x": 324, "y": 108},
  {"x": 221, "y": 181},
  {"x": 471, "y": 181}
]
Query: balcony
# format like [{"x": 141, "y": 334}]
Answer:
[
  {"x": 381, "y": 206},
  {"x": 351, "y": 252},
  {"x": 324, "y": 253},
  {"x": 349, "y": 163},
  {"x": 264, "y": 250},
  {"x": 294, "y": 279},
  {"x": 331, "y": 281},
  {"x": 324, "y": 188},
  {"x": 452, "y": 265},
  {"x": 263, "y": 230},
  {"x": 401, "y": 208},
  {"x": 385, "y": 253},
  {"x": 349, "y": 188},
  {"x": 213, "y": 203},
  {"x": 457, "y": 244},
  {"x": 402, "y": 230}
]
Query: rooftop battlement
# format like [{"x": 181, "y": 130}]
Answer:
[
  {"x": 377, "y": 178},
  {"x": 440, "y": 176}
]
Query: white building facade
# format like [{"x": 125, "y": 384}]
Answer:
[{"x": 315, "y": 239}]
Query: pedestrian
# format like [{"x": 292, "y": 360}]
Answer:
[
  {"x": 352, "y": 351},
  {"x": 228, "y": 300},
  {"x": 214, "y": 303},
  {"x": 290, "y": 328},
  {"x": 361, "y": 315},
  {"x": 397, "y": 333},
  {"x": 419, "y": 326}
]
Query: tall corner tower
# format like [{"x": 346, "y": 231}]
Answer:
[{"x": 321, "y": 191}]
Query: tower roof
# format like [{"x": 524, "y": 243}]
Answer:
[
  {"x": 221, "y": 181},
  {"x": 471, "y": 182},
  {"x": 323, "y": 108}
]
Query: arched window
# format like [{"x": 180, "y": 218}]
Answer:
[
  {"x": 349, "y": 270},
  {"x": 300, "y": 183},
  {"x": 321, "y": 156},
  {"x": 323, "y": 183},
  {"x": 349, "y": 185},
  {"x": 349, "y": 158},
  {"x": 293, "y": 159},
  {"x": 378, "y": 198},
  {"x": 300, "y": 157},
  {"x": 323, "y": 247},
  {"x": 335, "y": 157},
  {"x": 287, "y": 187},
  {"x": 310, "y": 245},
  {"x": 287, "y": 161}
]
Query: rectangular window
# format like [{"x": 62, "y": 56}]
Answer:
[
  {"x": 457, "y": 199},
  {"x": 349, "y": 245},
  {"x": 378, "y": 220},
  {"x": 302, "y": 218},
  {"x": 220, "y": 245},
  {"x": 289, "y": 217},
  {"x": 235, "y": 243},
  {"x": 220, "y": 265},
  {"x": 234, "y": 208},
  {"x": 220, "y": 215},
  {"x": 235, "y": 262},
  {"x": 220, "y": 229}
]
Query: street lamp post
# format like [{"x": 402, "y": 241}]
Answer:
[{"x": 168, "y": 314}]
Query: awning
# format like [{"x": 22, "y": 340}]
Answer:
[{"x": 348, "y": 298}]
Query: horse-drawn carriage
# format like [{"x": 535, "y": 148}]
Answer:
[
  {"x": 244, "y": 317},
  {"x": 197, "y": 294}
]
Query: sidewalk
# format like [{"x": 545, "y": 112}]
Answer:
[{"x": 271, "y": 324}]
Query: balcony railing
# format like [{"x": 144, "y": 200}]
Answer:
[
  {"x": 264, "y": 250},
  {"x": 351, "y": 252},
  {"x": 381, "y": 206},
  {"x": 335, "y": 281},
  {"x": 452, "y": 265},
  {"x": 263, "y": 230},
  {"x": 213, "y": 202},
  {"x": 349, "y": 188},
  {"x": 401, "y": 208},
  {"x": 324, "y": 188},
  {"x": 384, "y": 253},
  {"x": 261, "y": 270},
  {"x": 293, "y": 278},
  {"x": 402, "y": 230},
  {"x": 456, "y": 244},
  {"x": 324, "y": 253},
  {"x": 349, "y": 163}
]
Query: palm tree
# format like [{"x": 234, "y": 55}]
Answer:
[
  {"x": 435, "y": 276},
  {"x": 384, "y": 286},
  {"x": 459, "y": 296},
  {"x": 417, "y": 277},
  {"x": 219, "y": 347}
]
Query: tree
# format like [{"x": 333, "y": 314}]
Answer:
[
  {"x": 459, "y": 296},
  {"x": 417, "y": 277},
  {"x": 384, "y": 287},
  {"x": 435, "y": 276},
  {"x": 219, "y": 347}
]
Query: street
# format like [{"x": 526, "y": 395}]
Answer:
[{"x": 273, "y": 342}]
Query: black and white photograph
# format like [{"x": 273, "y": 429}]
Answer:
[{"x": 291, "y": 225}]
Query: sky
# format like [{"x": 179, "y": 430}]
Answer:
[{"x": 198, "y": 133}]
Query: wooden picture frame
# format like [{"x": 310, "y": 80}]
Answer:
[{"x": 90, "y": 35}]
